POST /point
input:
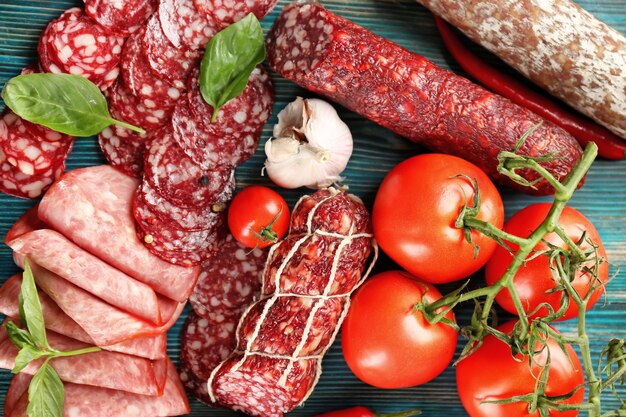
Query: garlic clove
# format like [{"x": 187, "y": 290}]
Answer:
[
  {"x": 289, "y": 118},
  {"x": 279, "y": 149}
]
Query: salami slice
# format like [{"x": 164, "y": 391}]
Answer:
[
  {"x": 203, "y": 347},
  {"x": 23, "y": 127},
  {"x": 184, "y": 26},
  {"x": 124, "y": 149},
  {"x": 229, "y": 282},
  {"x": 180, "y": 180},
  {"x": 189, "y": 219},
  {"x": 173, "y": 244},
  {"x": 129, "y": 109},
  {"x": 168, "y": 62},
  {"x": 28, "y": 153},
  {"x": 151, "y": 91},
  {"x": 120, "y": 17},
  {"x": 227, "y": 12},
  {"x": 80, "y": 47}
]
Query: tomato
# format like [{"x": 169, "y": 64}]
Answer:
[
  {"x": 258, "y": 217},
  {"x": 388, "y": 344},
  {"x": 491, "y": 373},
  {"x": 534, "y": 280},
  {"x": 415, "y": 211}
]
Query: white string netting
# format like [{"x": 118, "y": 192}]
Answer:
[{"x": 271, "y": 299}]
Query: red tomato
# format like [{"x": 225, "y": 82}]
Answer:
[
  {"x": 388, "y": 344},
  {"x": 492, "y": 373},
  {"x": 415, "y": 211},
  {"x": 258, "y": 217},
  {"x": 534, "y": 280}
]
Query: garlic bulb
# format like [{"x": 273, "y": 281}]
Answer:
[{"x": 311, "y": 145}]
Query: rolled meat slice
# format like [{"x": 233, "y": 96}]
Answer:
[
  {"x": 100, "y": 369},
  {"x": 403, "y": 91},
  {"x": 18, "y": 386},
  {"x": 93, "y": 208},
  {"x": 52, "y": 251},
  {"x": 105, "y": 324},
  {"x": 27, "y": 223},
  {"x": 87, "y": 401},
  {"x": 153, "y": 347}
]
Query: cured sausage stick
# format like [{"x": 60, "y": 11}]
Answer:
[
  {"x": 557, "y": 45},
  {"x": 408, "y": 94}
]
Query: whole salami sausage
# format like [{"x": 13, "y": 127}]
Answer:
[
  {"x": 307, "y": 282},
  {"x": 557, "y": 45},
  {"x": 408, "y": 94}
]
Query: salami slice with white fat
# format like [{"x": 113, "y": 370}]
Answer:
[
  {"x": 130, "y": 109},
  {"x": 184, "y": 26},
  {"x": 173, "y": 244},
  {"x": 124, "y": 149},
  {"x": 229, "y": 282},
  {"x": 227, "y": 12},
  {"x": 180, "y": 180},
  {"x": 22, "y": 127},
  {"x": 204, "y": 345},
  {"x": 28, "y": 153},
  {"x": 120, "y": 17},
  {"x": 168, "y": 62},
  {"x": 79, "y": 46},
  {"x": 151, "y": 91},
  {"x": 189, "y": 219}
]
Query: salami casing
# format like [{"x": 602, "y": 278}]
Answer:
[
  {"x": 408, "y": 94},
  {"x": 283, "y": 337}
]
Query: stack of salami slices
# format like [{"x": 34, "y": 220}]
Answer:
[{"x": 98, "y": 285}]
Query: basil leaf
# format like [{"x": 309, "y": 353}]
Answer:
[
  {"x": 66, "y": 103},
  {"x": 46, "y": 393},
  {"x": 19, "y": 337},
  {"x": 30, "y": 308},
  {"x": 228, "y": 61},
  {"x": 25, "y": 356}
]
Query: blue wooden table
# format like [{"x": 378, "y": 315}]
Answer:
[{"x": 603, "y": 198}]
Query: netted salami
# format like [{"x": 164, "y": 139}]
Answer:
[
  {"x": 120, "y": 17},
  {"x": 168, "y": 62},
  {"x": 204, "y": 345},
  {"x": 123, "y": 103},
  {"x": 151, "y": 91},
  {"x": 226, "y": 12},
  {"x": 184, "y": 26},
  {"x": 229, "y": 282},
  {"x": 124, "y": 149},
  {"x": 189, "y": 219},
  {"x": 235, "y": 135},
  {"x": 173, "y": 244},
  {"x": 181, "y": 181},
  {"x": 283, "y": 337},
  {"x": 78, "y": 46}
]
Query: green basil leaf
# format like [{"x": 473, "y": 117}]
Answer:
[
  {"x": 25, "y": 356},
  {"x": 19, "y": 337},
  {"x": 46, "y": 393},
  {"x": 66, "y": 103},
  {"x": 30, "y": 308},
  {"x": 228, "y": 61}
]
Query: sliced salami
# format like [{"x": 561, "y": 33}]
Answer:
[
  {"x": 25, "y": 128},
  {"x": 229, "y": 282},
  {"x": 189, "y": 219},
  {"x": 16, "y": 183},
  {"x": 181, "y": 181},
  {"x": 151, "y": 91},
  {"x": 129, "y": 109},
  {"x": 227, "y": 12},
  {"x": 204, "y": 346},
  {"x": 124, "y": 149},
  {"x": 168, "y": 62},
  {"x": 184, "y": 25},
  {"x": 28, "y": 153},
  {"x": 173, "y": 244},
  {"x": 80, "y": 47},
  {"x": 120, "y": 17}
]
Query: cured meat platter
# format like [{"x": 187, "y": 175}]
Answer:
[{"x": 376, "y": 151}]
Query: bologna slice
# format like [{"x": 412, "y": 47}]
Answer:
[
  {"x": 153, "y": 347},
  {"x": 100, "y": 369},
  {"x": 102, "y": 223}
]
